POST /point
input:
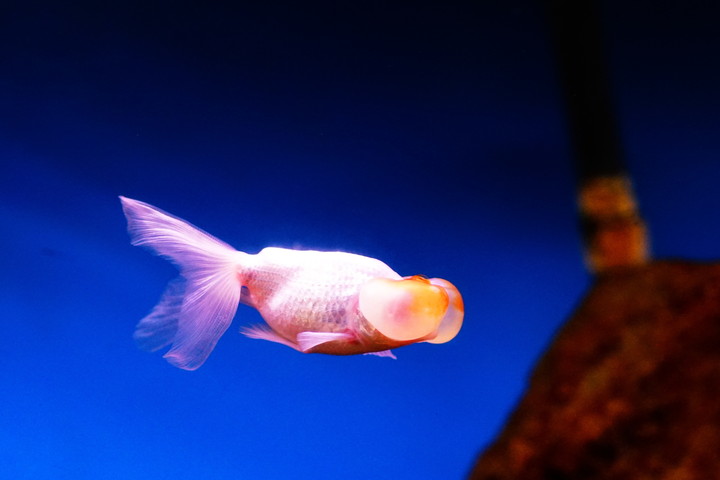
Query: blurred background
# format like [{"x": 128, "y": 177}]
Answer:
[{"x": 428, "y": 135}]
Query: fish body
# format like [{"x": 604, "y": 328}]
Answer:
[
  {"x": 313, "y": 301},
  {"x": 299, "y": 291}
]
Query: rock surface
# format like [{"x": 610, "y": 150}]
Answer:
[{"x": 629, "y": 389}]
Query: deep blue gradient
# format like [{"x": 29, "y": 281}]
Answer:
[{"x": 430, "y": 136}]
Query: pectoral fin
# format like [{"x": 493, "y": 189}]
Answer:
[
  {"x": 310, "y": 340},
  {"x": 261, "y": 332}
]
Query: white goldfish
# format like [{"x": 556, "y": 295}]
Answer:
[{"x": 315, "y": 302}]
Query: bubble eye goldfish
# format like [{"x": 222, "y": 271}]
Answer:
[{"x": 335, "y": 303}]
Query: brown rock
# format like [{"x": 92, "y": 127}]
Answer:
[{"x": 630, "y": 388}]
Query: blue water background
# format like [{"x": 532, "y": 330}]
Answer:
[{"x": 430, "y": 136}]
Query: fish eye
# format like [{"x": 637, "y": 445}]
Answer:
[{"x": 407, "y": 309}]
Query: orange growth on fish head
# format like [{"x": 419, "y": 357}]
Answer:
[
  {"x": 453, "y": 319},
  {"x": 413, "y": 308}
]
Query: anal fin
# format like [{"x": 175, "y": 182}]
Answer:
[{"x": 384, "y": 353}]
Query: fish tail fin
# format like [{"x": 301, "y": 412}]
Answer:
[{"x": 196, "y": 308}]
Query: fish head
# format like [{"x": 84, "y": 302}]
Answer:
[{"x": 413, "y": 308}]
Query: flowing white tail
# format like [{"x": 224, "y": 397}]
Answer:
[{"x": 197, "y": 307}]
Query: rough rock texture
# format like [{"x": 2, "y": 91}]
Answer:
[{"x": 630, "y": 388}]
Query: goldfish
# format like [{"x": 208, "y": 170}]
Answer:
[{"x": 329, "y": 302}]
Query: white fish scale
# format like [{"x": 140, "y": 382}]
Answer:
[{"x": 308, "y": 291}]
